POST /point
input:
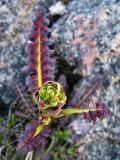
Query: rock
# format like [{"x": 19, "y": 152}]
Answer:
[
  {"x": 90, "y": 31},
  {"x": 57, "y": 9},
  {"x": 87, "y": 37}
]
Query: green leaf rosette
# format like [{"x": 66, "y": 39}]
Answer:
[{"x": 52, "y": 94}]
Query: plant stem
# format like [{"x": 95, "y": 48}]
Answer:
[
  {"x": 70, "y": 111},
  {"x": 49, "y": 148},
  {"x": 29, "y": 156}
]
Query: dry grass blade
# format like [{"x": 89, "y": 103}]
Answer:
[{"x": 29, "y": 156}]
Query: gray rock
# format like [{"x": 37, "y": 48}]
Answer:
[
  {"x": 88, "y": 30},
  {"x": 87, "y": 36}
]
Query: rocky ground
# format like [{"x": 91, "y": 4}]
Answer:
[{"x": 87, "y": 38}]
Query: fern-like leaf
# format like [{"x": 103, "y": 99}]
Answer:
[
  {"x": 40, "y": 65},
  {"x": 84, "y": 93},
  {"x": 31, "y": 139}
]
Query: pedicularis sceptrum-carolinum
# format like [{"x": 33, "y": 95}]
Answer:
[{"x": 48, "y": 95}]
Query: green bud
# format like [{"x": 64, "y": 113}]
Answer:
[
  {"x": 52, "y": 93},
  {"x": 42, "y": 92}
]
